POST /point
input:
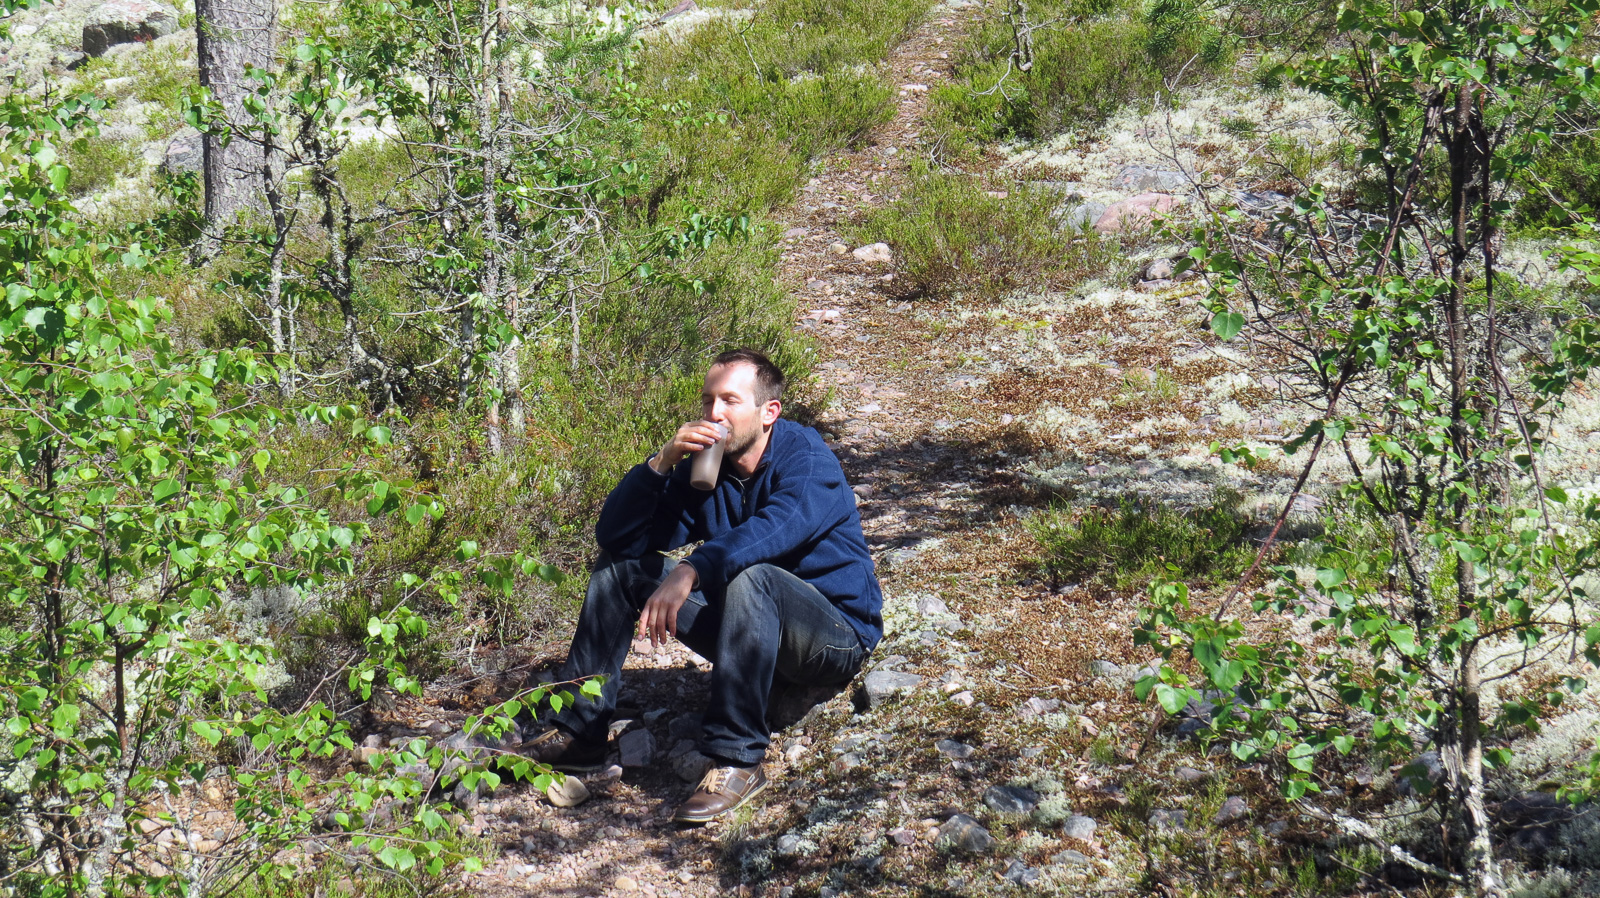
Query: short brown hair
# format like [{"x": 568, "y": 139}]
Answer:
[{"x": 769, "y": 377}]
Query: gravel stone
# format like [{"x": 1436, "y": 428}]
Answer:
[
  {"x": 1233, "y": 809},
  {"x": 1079, "y": 827},
  {"x": 638, "y": 748},
  {"x": 1021, "y": 874},
  {"x": 965, "y": 835},
  {"x": 881, "y": 685},
  {"x": 1010, "y": 799},
  {"x": 1071, "y": 858},
  {"x": 950, "y": 748},
  {"x": 571, "y": 793}
]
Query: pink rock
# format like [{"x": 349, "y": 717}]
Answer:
[{"x": 1138, "y": 210}]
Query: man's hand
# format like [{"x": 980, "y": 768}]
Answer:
[
  {"x": 691, "y": 437},
  {"x": 659, "y": 619}
]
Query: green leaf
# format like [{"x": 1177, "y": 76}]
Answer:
[
  {"x": 166, "y": 488},
  {"x": 1171, "y": 699},
  {"x": 1556, "y": 494},
  {"x": 1227, "y": 325}
]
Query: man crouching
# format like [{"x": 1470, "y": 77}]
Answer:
[{"x": 782, "y": 586}]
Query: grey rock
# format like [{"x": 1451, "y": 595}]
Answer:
[
  {"x": 1105, "y": 668},
  {"x": 1168, "y": 818},
  {"x": 690, "y": 766},
  {"x": 1157, "y": 270},
  {"x": 1036, "y": 706},
  {"x": 850, "y": 760},
  {"x": 1276, "y": 827},
  {"x": 795, "y": 233},
  {"x": 1142, "y": 178},
  {"x": 1079, "y": 217},
  {"x": 680, "y": 9},
  {"x": 1010, "y": 799},
  {"x": 126, "y": 22},
  {"x": 881, "y": 685},
  {"x": 184, "y": 153},
  {"x": 1189, "y": 774},
  {"x": 963, "y": 834},
  {"x": 892, "y": 662},
  {"x": 1421, "y": 774},
  {"x": 69, "y": 60},
  {"x": 932, "y": 605},
  {"x": 1071, "y": 858},
  {"x": 1261, "y": 200},
  {"x": 1233, "y": 809},
  {"x": 1021, "y": 874},
  {"x": 686, "y": 726},
  {"x": 950, "y": 748},
  {"x": 638, "y": 748},
  {"x": 1079, "y": 827},
  {"x": 790, "y": 845}
]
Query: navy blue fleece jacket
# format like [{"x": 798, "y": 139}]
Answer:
[{"x": 795, "y": 511}]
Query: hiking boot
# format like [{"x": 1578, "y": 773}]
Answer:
[
  {"x": 565, "y": 752},
  {"x": 722, "y": 790}
]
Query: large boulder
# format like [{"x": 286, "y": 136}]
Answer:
[
  {"x": 125, "y": 22},
  {"x": 1134, "y": 212}
]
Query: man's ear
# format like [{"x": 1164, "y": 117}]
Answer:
[{"x": 770, "y": 411}]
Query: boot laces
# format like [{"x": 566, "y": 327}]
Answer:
[{"x": 717, "y": 779}]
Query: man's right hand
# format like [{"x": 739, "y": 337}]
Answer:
[{"x": 690, "y": 438}]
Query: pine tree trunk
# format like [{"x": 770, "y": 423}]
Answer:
[{"x": 233, "y": 35}]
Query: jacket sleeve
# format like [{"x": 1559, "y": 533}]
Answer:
[
  {"x": 801, "y": 507},
  {"x": 644, "y": 513}
]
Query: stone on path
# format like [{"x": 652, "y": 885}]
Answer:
[
  {"x": 126, "y": 22},
  {"x": 1232, "y": 809},
  {"x": 881, "y": 685},
  {"x": 569, "y": 794},
  {"x": 963, "y": 834},
  {"x": 1134, "y": 211},
  {"x": 873, "y": 253},
  {"x": 638, "y": 748},
  {"x": 1010, "y": 799},
  {"x": 1079, "y": 827}
]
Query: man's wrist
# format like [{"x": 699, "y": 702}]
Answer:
[{"x": 659, "y": 464}]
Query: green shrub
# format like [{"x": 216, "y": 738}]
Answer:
[
  {"x": 951, "y": 235},
  {"x": 1569, "y": 172},
  {"x": 1130, "y": 545},
  {"x": 96, "y": 163}
]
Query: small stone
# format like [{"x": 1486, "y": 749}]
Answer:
[
  {"x": 963, "y": 834},
  {"x": 790, "y": 845},
  {"x": 1010, "y": 799},
  {"x": 626, "y": 883},
  {"x": 1166, "y": 818},
  {"x": 1105, "y": 668},
  {"x": 638, "y": 748},
  {"x": 904, "y": 836},
  {"x": 796, "y": 233},
  {"x": 1036, "y": 706},
  {"x": 680, "y": 9},
  {"x": 1158, "y": 270},
  {"x": 685, "y": 877},
  {"x": 873, "y": 253},
  {"x": 1232, "y": 809},
  {"x": 950, "y": 748},
  {"x": 838, "y": 249},
  {"x": 932, "y": 605},
  {"x": 1190, "y": 775},
  {"x": 1140, "y": 178},
  {"x": 964, "y": 699},
  {"x": 691, "y": 766},
  {"x": 569, "y": 794},
  {"x": 881, "y": 685},
  {"x": 1071, "y": 858},
  {"x": 1079, "y": 827},
  {"x": 1276, "y": 827},
  {"x": 1021, "y": 874}
]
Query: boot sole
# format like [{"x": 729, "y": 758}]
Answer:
[
  {"x": 579, "y": 769},
  {"x": 707, "y": 818}
]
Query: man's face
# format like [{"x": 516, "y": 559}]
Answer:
[{"x": 729, "y": 397}]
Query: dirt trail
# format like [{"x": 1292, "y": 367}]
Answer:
[{"x": 888, "y": 411}]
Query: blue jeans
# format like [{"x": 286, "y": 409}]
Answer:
[{"x": 768, "y": 623}]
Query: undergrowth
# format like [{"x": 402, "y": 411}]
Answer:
[
  {"x": 1128, "y": 546},
  {"x": 951, "y": 235}
]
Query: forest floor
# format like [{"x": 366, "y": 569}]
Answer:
[{"x": 1007, "y": 758}]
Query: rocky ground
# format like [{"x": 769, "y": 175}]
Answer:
[{"x": 994, "y": 743}]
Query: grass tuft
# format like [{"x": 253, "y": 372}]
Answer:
[
  {"x": 1130, "y": 545},
  {"x": 953, "y": 236}
]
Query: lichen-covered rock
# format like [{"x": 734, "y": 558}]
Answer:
[
  {"x": 127, "y": 22},
  {"x": 881, "y": 685},
  {"x": 964, "y": 835},
  {"x": 1134, "y": 212}
]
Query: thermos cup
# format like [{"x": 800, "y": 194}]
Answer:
[{"x": 708, "y": 462}]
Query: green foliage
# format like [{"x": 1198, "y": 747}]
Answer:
[
  {"x": 953, "y": 236},
  {"x": 1088, "y": 61},
  {"x": 1459, "y": 567},
  {"x": 1134, "y": 543},
  {"x": 97, "y": 162},
  {"x": 139, "y": 495},
  {"x": 1560, "y": 183}
]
